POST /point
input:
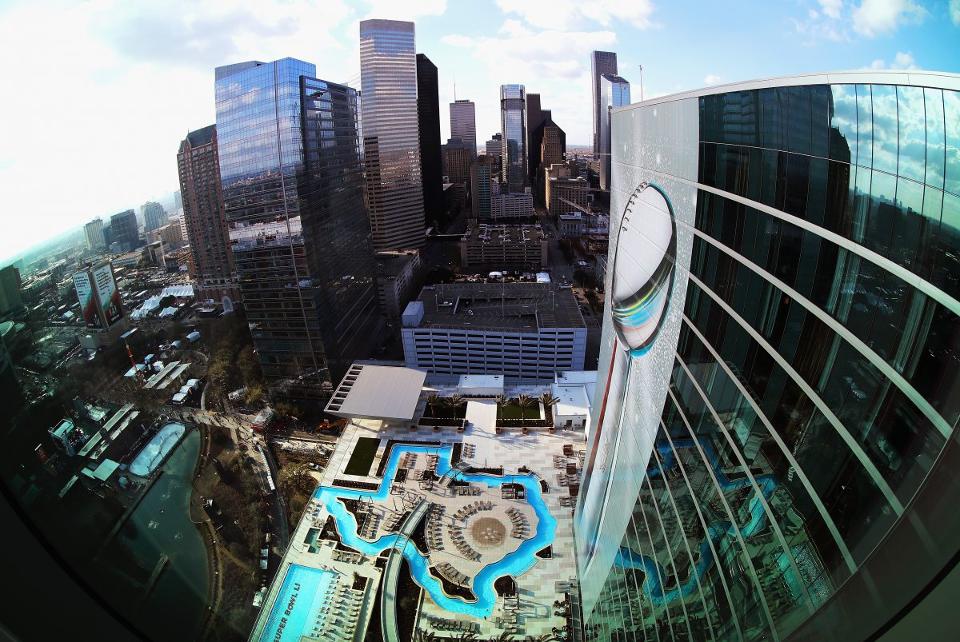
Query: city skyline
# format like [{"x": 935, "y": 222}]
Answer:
[{"x": 546, "y": 47}]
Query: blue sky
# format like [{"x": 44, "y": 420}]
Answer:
[{"x": 106, "y": 89}]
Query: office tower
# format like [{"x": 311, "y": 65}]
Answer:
[
  {"x": 494, "y": 149},
  {"x": 614, "y": 92},
  {"x": 601, "y": 62},
  {"x": 177, "y": 200},
  {"x": 777, "y": 395},
  {"x": 456, "y": 167},
  {"x": 482, "y": 186},
  {"x": 535, "y": 118},
  {"x": 513, "y": 124},
  {"x": 463, "y": 123},
  {"x": 551, "y": 148},
  {"x": 428, "y": 122},
  {"x": 10, "y": 299},
  {"x": 93, "y": 234},
  {"x": 123, "y": 230},
  {"x": 154, "y": 216},
  {"x": 101, "y": 305},
  {"x": 388, "y": 78},
  {"x": 211, "y": 258},
  {"x": 565, "y": 194},
  {"x": 293, "y": 199}
]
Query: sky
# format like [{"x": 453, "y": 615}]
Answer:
[{"x": 100, "y": 93}]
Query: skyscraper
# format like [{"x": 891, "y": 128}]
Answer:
[
  {"x": 10, "y": 299},
  {"x": 601, "y": 62},
  {"x": 482, "y": 186},
  {"x": 388, "y": 78},
  {"x": 292, "y": 190},
  {"x": 535, "y": 118},
  {"x": 198, "y": 162},
  {"x": 776, "y": 400},
  {"x": 93, "y": 234},
  {"x": 614, "y": 92},
  {"x": 456, "y": 167},
  {"x": 154, "y": 216},
  {"x": 513, "y": 126},
  {"x": 494, "y": 149},
  {"x": 463, "y": 123},
  {"x": 123, "y": 230},
  {"x": 428, "y": 120}
]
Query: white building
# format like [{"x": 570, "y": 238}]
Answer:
[
  {"x": 512, "y": 205},
  {"x": 524, "y": 331}
]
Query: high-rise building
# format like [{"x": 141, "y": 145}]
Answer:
[
  {"x": 93, "y": 234},
  {"x": 513, "y": 125},
  {"x": 601, "y": 62},
  {"x": 211, "y": 258},
  {"x": 483, "y": 186},
  {"x": 566, "y": 194},
  {"x": 773, "y": 450},
  {"x": 463, "y": 123},
  {"x": 494, "y": 149},
  {"x": 154, "y": 216},
  {"x": 10, "y": 299},
  {"x": 388, "y": 78},
  {"x": 177, "y": 200},
  {"x": 614, "y": 92},
  {"x": 456, "y": 167},
  {"x": 293, "y": 198},
  {"x": 428, "y": 123},
  {"x": 550, "y": 150},
  {"x": 535, "y": 120},
  {"x": 123, "y": 230}
]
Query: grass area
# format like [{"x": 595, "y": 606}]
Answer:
[
  {"x": 362, "y": 456},
  {"x": 513, "y": 411}
]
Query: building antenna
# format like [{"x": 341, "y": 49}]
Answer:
[
  {"x": 641, "y": 82},
  {"x": 454, "y": 87}
]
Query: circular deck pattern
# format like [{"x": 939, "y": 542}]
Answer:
[{"x": 488, "y": 532}]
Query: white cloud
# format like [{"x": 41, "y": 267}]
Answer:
[
  {"x": 712, "y": 79},
  {"x": 878, "y": 17},
  {"x": 955, "y": 12},
  {"x": 404, "y": 9},
  {"x": 831, "y": 8},
  {"x": 902, "y": 60},
  {"x": 570, "y": 14}
]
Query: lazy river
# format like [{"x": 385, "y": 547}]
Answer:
[{"x": 514, "y": 563}]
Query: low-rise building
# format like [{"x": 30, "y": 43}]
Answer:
[
  {"x": 524, "y": 331},
  {"x": 504, "y": 247},
  {"x": 512, "y": 205}
]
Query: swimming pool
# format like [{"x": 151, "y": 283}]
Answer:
[
  {"x": 156, "y": 449},
  {"x": 514, "y": 563},
  {"x": 298, "y": 604}
]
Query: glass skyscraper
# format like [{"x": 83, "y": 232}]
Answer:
[
  {"x": 601, "y": 62},
  {"x": 513, "y": 127},
  {"x": 773, "y": 450},
  {"x": 391, "y": 143},
  {"x": 293, "y": 196},
  {"x": 614, "y": 92}
]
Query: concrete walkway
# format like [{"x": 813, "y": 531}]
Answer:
[{"x": 388, "y": 602}]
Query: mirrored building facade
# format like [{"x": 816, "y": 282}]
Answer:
[
  {"x": 513, "y": 127},
  {"x": 293, "y": 198},
  {"x": 773, "y": 450}
]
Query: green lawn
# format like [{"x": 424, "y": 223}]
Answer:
[
  {"x": 362, "y": 456},
  {"x": 513, "y": 411}
]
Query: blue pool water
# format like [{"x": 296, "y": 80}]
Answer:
[
  {"x": 515, "y": 563},
  {"x": 297, "y": 605},
  {"x": 721, "y": 533}
]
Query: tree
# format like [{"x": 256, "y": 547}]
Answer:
[
  {"x": 548, "y": 400},
  {"x": 297, "y": 477},
  {"x": 525, "y": 401}
]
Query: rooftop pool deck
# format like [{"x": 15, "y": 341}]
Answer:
[
  {"x": 297, "y": 609},
  {"x": 514, "y": 563}
]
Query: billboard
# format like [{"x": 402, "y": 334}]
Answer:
[
  {"x": 108, "y": 294},
  {"x": 88, "y": 303}
]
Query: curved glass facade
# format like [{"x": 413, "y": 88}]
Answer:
[{"x": 793, "y": 426}]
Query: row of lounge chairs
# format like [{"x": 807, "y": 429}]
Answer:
[
  {"x": 467, "y": 490},
  {"x": 473, "y": 509},
  {"x": 337, "y": 618},
  {"x": 434, "y": 532},
  {"x": 456, "y": 534},
  {"x": 448, "y": 571},
  {"x": 443, "y": 624},
  {"x": 371, "y": 525},
  {"x": 409, "y": 460},
  {"x": 521, "y": 526},
  {"x": 469, "y": 450}
]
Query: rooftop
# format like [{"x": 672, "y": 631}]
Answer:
[
  {"x": 499, "y": 306},
  {"x": 494, "y": 234},
  {"x": 377, "y": 392}
]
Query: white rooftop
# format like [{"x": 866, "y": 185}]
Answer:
[
  {"x": 378, "y": 392},
  {"x": 573, "y": 400},
  {"x": 482, "y": 383}
]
